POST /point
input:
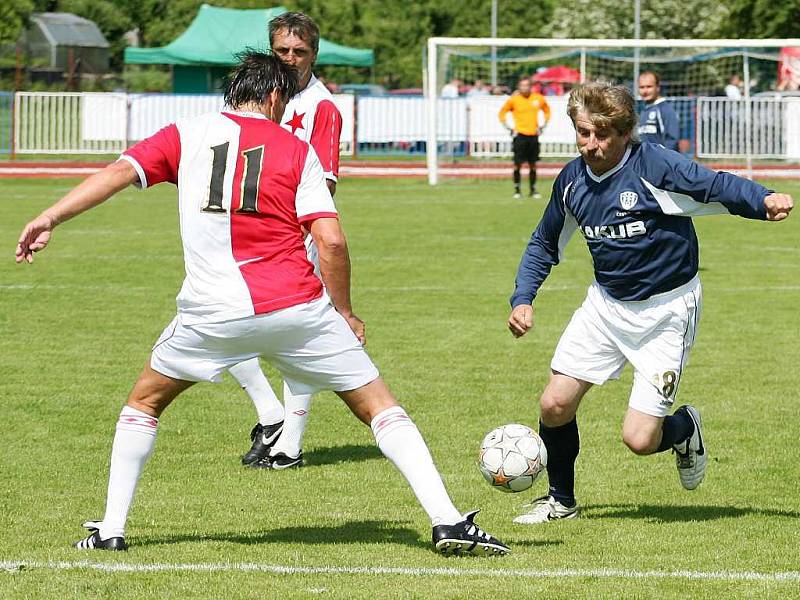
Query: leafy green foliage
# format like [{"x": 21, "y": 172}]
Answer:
[
  {"x": 397, "y": 29},
  {"x": 762, "y": 19}
]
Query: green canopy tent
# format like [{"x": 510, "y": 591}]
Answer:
[{"x": 203, "y": 53}]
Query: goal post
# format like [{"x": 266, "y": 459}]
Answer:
[{"x": 695, "y": 69}]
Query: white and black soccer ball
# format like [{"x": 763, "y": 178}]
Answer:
[{"x": 511, "y": 457}]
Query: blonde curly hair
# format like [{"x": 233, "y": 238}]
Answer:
[{"x": 607, "y": 106}]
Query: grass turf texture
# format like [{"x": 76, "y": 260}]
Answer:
[{"x": 433, "y": 269}]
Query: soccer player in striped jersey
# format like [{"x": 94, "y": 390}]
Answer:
[
  {"x": 633, "y": 203},
  {"x": 311, "y": 116},
  {"x": 247, "y": 189}
]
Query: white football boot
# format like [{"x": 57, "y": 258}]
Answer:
[
  {"x": 546, "y": 509},
  {"x": 691, "y": 456}
]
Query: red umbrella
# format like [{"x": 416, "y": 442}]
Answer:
[{"x": 559, "y": 74}]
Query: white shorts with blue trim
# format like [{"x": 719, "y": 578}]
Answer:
[{"x": 654, "y": 335}]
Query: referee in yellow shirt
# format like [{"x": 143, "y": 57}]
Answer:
[{"x": 524, "y": 107}]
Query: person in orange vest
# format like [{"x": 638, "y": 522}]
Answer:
[{"x": 525, "y": 106}]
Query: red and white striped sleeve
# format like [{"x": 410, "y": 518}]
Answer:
[
  {"x": 156, "y": 158},
  {"x": 313, "y": 200},
  {"x": 325, "y": 137}
]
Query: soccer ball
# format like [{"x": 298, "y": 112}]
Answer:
[{"x": 511, "y": 457}]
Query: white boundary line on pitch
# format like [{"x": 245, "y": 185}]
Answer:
[{"x": 605, "y": 573}]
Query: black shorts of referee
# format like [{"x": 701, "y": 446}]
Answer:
[{"x": 526, "y": 148}]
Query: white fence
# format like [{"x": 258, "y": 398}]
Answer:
[
  {"x": 87, "y": 123},
  {"x": 771, "y": 130},
  {"x": 106, "y": 123},
  {"x": 76, "y": 123},
  {"x": 402, "y": 121}
]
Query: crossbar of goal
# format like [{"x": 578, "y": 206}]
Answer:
[{"x": 432, "y": 84}]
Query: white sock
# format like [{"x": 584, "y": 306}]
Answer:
[
  {"x": 133, "y": 444},
  {"x": 251, "y": 378},
  {"x": 290, "y": 441},
  {"x": 400, "y": 441}
]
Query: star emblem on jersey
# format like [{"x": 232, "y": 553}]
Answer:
[
  {"x": 628, "y": 200},
  {"x": 296, "y": 122}
]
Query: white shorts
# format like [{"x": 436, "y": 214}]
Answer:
[
  {"x": 655, "y": 335},
  {"x": 310, "y": 344}
]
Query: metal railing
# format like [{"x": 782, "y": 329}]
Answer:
[
  {"x": 725, "y": 131},
  {"x": 107, "y": 123},
  {"x": 6, "y": 121},
  {"x": 70, "y": 123}
]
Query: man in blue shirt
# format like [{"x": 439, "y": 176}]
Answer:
[
  {"x": 658, "y": 122},
  {"x": 633, "y": 203}
]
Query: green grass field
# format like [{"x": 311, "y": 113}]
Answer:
[{"x": 433, "y": 269}]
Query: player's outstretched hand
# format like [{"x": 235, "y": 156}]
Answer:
[
  {"x": 359, "y": 328},
  {"x": 778, "y": 206},
  {"x": 521, "y": 320},
  {"x": 34, "y": 237}
]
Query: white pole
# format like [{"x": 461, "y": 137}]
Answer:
[
  {"x": 637, "y": 33},
  {"x": 433, "y": 90},
  {"x": 619, "y": 43},
  {"x": 494, "y": 48},
  {"x": 583, "y": 65},
  {"x": 748, "y": 117}
]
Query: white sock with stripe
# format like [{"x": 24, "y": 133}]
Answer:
[
  {"x": 401, "y": 442},
  {"x": 290, "y": 441},
  {"x": 133, "y": 445},
  {"x": 250, "y": 376}
]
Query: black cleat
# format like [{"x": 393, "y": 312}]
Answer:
[
  {"x": 93, "y": 541},
  {"x": 467, "y": 538},
  {"x": 279, "y": 462},
  {"x": 263, "y": 439}
]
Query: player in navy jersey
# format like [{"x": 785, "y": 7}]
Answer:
[
  {"x": 633, "y": 203},
  {"x": 658, "y": 122}
]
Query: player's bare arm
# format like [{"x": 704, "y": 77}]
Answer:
[
  {"x": 93, "y": 191},
  {"x": 521, "y": 320},
  {"x": 778, "y": 206},
  {"x": 334, "y": 266}
]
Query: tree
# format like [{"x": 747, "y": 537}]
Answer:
[
  {"x": 13, "y": 17},
  {"x": 659, "y": 19},
  {"x": 762, "y": 19}
]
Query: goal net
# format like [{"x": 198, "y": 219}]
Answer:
[{"x": 730, "y": 95}]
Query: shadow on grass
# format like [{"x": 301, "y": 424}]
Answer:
[
  {"x": 351, "y": 532},
  {"x": 672, "y": 514},
  {"x": 331, "y": 455}
]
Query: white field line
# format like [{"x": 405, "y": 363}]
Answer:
[{"x": 605, "y": 573}]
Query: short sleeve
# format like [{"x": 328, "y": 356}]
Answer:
[
  {"x": 325, "y": 138},
  {"x": 313, "y": 200},
  {"x": 156, "y": 158}
]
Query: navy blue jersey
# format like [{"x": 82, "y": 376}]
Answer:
[
  {"x": 634, "y": 220},
  {"x": 658, "y": 123}
]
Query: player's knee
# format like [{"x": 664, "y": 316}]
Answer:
[
  {"x": 555, "y": 410},
  {"x": 369, "y": 401},
  {"x": 640, "y": 442}
]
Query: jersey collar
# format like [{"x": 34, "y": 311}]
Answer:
[
  {"x": 311, "y": 83},
  {"x": 610, "y": 172},
  {"x": 658, "y": 100},
  {"x": 245, "y": 113}
]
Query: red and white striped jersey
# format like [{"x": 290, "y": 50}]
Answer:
[
  {"x": 312, "y": 116},
  {"x": 245, "y": 186}
]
